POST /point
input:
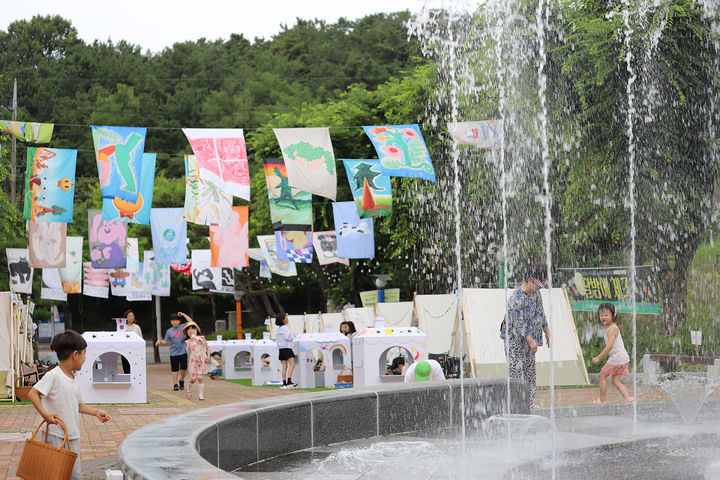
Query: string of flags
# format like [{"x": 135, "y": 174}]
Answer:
[{"x": 215, "y": 172}]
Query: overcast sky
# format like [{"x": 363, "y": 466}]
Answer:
[{"x": 156, "y": 24}]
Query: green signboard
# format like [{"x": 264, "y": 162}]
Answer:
[{"x": 370, "y": 297}]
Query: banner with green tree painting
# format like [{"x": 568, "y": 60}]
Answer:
[
  {"x": 309, "y": 159},
  {"x": 371, "y": 189}
]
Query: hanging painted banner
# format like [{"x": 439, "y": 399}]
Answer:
[
  {"x": 27, "y": 131},
  {"x": 119, "y": 156},
  {"x": 47, "y": 244},
  {"x": 119, "y": 282},
  {"x": 265, "y": 269},
  {"x": 205, "y": 201},
  {"x": 222, "y": 158},
  {"x": 156, "y": 277},
  {"x": 137, "y": 291},
  {"x": 485, "y": 134},
  {"x": 256, "y": 254},
  {"x": 184, "y": 269},
  {"x": 325, "y": 244},
  {"x": 371, "y": 189},
  {"x": 309, "y": 159},
  {"x": 107, "y": 241},
  {"x": 294, "y": 246},
  {"x": 96, "y": 281},
  {"x": 138, "y": 211},
  {"x": 267, "y": 245},
  {"x": 169, "y": 235},
  {"x": 19, "y": 267},
  {"x": 355, "y": 236},
  {"x": 49, "y": 184},
  {"x": 229, "y": 245},
  {"x": 71, "y": 275},
  {"x": 402, "y": 151},
  {"x": 290, "y": 208},
  {"x": 215, "y": 279},
  {"x": 132, "y": 256},
  {"x": 52, "y": 288}
]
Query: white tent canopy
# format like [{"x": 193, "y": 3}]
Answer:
[
  {"x": 437, "y": 315},
  {"x": 15, "y": 346},
  {"x": 361, "y": 317},
  {"x": 332, "y": 320},
  {"x": 484, "y": 310},
  {"x": 396, "y": 314}
]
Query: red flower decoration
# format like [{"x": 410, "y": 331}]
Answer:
[
  {"x": 377, "y": 130},
  {"x": 392, "y": 151}
]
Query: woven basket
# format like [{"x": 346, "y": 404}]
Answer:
[
  {"x": 345, "y": 376},
  {"x": 21, "y": 392},
  {"x": 42, "y": 461}
]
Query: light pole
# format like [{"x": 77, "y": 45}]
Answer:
[
  {"x": 238, "y": 294},
  {"x": 380, "y": 282}
]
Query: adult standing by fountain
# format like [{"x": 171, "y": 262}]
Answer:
[{"x": 525, "y": 321}]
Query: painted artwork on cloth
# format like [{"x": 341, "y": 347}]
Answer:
[
  {"x": 119, "y": 157},
  {"x": 27, "y": 131},
  {"x": 138, "y": 211},
  {"x": 47, "y": 244},
  {"x": 132, "y": 256},
  {"x": 485, "y": 134},
  {"x": 277, "y": 266},
  {"x": 96, "y": 281},
  {"x": 205, "y": 202},
  {"x": 71, "y": 274},
  {"x": 215, "y": 279},
  {"x": 309, "y": 160},
  {"x": 169, "y": 235},
  {"x": 371, "y": 189},
  {"x": 20, "y": 271},
  {"x": 290, "y": 208},
  {"x": 402, "y": 151},
  {"x": 119, "y": 282},
  {"x": 265, "y": 269},
  {"x": 52, "y": 288},
  {"x": 294, "y": 246},
  {"x": 229, "y": 245},
  {"x": 137, "y": 291},
  {"x": 325, "y": 244},
  {"x": 107, "y": 241},
  {"x": 355, "y": 236},
  {"x": 222, "y": 158},
  {"x": 49, "y": 184},
  {"x": 155, "y": 276}
]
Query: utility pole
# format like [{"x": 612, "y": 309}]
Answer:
[{"x": 13, "y": 171}]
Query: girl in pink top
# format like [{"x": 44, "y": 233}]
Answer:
[
  {"x": 618, "y": 360},
  {"x": 198, "y": 353}
]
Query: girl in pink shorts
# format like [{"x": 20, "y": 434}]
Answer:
[{"x": 618, "y": 360}]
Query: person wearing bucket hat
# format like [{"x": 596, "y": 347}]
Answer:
[
  {"x": 198, "y": 354},
  {"x": 423, "y": 371},
  {"x": 523, "y": 327}
]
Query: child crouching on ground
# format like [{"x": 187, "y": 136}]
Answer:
[
  {"x": 57, "y": 394},
  {"x": 216, "y": 363},
  {"x": 617, "y": 364}
]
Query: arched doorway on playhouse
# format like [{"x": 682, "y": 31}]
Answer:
[{"x": 386, "y": 358}]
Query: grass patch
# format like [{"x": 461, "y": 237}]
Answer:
[
  {"x": 248, "y": 383},
  {"x": 567, "y": 387}
]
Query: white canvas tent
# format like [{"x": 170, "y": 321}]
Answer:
[
  {"x": 296, "y": 324},
  {"x": 396, "y": 314},
  {"x": 483, "y": 312},
  {"x": 15, "y": 346},
  {"x": 361, "y": 316},
  {"x": 437, "y": 316},
  {"x": 332, "y": 320}
]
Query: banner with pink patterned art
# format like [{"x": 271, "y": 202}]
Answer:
[
  {"x": 96, "y": 281},
  {"x": 325, "y": 244},
  {"x": 206, "y": 203},
  {"x": 222, "y": 158},
  {"x": 402, "y": 151},
  {"x": 309, "y": 159},
  {"x": 229, "y": 245}
]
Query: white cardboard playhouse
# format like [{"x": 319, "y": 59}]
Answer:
[
  {"x": 321, "y": 358},
  {"x": 370, "y": 351},
  {"x": 101, "y": 379},
  {"x": 265, "y": 362},
  {"x": 237, "y": 358}
]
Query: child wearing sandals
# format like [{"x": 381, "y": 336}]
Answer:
[
  {"x": 198, "y": 353},
  {"x": 618, "y": 360}
]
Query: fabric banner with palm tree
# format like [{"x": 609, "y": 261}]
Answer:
[
  {"x": 402, "y": 151},
  {"x": 290, "y": 208},
  {"x": 138, "y": 211},
  {"x": 355, "y": 235},
  {"x": 50, "y": 184},
  {"x": 371, "y": 189},
  {"x": 205, "y": 201},
  {"x": 119, "y": 156},
  {"x": 27, "y": 131},
  {"x": 309, "y": 158},
  {"x": 294, "y": 246}
]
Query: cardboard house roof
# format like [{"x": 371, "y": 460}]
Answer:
[{"x": 114, "y": 339}]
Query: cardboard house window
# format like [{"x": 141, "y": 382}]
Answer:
[
  {"x": 107, "y": 368},
  {"x": 265, "y": 358},
  {"x": 243, "y": 360},
  {"x": 387, "y": 357},
  {"x": 338, "y": 360}
]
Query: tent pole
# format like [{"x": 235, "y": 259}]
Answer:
[
  {"x": 575, "y": 334},
  {"x": 13, "y": 339},
  {"x": 463, "y": 315}
]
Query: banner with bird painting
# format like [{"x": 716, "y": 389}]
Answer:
[
  {"x": 49, "y": 184},
  {"x": 138, "y": 211},
  {"x": 371, "y": 189},
  {"x": 28, "y": 131},
  {"x": 119, "y": 157},
  {"x": 206, "y": 203},
  {"x": 96, "y": 281},
  {"x": 215, "y": 279},
  {"x": 222, "y": 158},
  {"x": 169, "y": 235},
  {"x": 309, "y": 159},
  {"x": 107, "y": 241},
  {"x": 277, "y": 266},
  {"x": 290, "y": 208},
  {"x": 47, "y": 244},
  {"x": 156, "y": 277},
  {"x": 52, "y": 288},
  {"x": 20, "y": 271},
  {"x": 229, "y": 245},
  {"x": 402, "y": 151},
  {"x": 294, "y": 246},
  {"x": 71, "y": 274},
  {"x": 325, "y": 244},
  {"x": 355, "y": 236}
]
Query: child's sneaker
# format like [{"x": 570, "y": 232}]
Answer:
[
  {"x": 175, "y": 387},
  {"x": 292, "y": 385},
  {"x": 182, "y": 385},
  {"x": 284, "y": 387}
]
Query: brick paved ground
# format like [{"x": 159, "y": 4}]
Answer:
[{"x": 99, "y": 441}]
